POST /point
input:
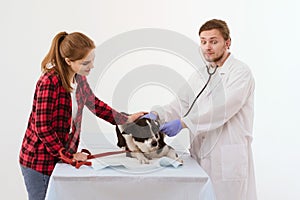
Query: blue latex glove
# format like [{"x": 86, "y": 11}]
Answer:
[
  {"x": 171, "y": 128},
  {"x": 150, "y": 115}
]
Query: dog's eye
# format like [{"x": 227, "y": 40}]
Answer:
[{"x": 156, "y": 135}]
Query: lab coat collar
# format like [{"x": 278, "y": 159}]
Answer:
[{"x": 225, "y": 67}]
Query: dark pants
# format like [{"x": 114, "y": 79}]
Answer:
[{"x": 36, "y": 183}]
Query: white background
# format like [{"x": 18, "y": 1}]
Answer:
[{"x": 265, "y": 35}]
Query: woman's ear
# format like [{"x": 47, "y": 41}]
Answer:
[{"x": 68, "y": 61}]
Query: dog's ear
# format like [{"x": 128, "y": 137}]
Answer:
[
  {"x": 139, "y": 130},
  {"x": 121, "y": 140},
  {"x": 161, "y": 141},
  {"x": 131, "y": 128}
]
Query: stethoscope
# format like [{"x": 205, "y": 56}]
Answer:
[{"x": 210, "y": 73}]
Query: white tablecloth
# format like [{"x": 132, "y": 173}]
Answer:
[{"x": 187, "y": 182}]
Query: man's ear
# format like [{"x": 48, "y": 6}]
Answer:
[
  {"x": 228, "y": 43},
  {"x": 68, "y": 61}
]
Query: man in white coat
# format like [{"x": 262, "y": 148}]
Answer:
[{"x": 221, "y": 121}]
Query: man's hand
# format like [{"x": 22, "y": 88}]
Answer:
[
  {"x": 151, "y": 115},
  {"x": 171, "y": 128}
]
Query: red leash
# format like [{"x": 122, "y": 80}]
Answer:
[{"x": 78, "y": 164}]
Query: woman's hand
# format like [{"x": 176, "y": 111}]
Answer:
[
  {"x": 135, "y": 116},
  {"x": 79, "y": 156}
]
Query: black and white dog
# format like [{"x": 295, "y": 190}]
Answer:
[{"x": 144, "y": 141}]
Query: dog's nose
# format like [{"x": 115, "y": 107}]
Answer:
[{"x": 154, "y": 143}]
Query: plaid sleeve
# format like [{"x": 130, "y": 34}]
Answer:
[
  {"x": 101, "y": 109},
  {"x": 46, "y": 97}
]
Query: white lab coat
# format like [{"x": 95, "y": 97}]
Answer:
[{"x": 220, "y": 125}]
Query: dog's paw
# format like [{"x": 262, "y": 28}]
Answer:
[
  {"x": 172, "y": 154},
  {"x": 176, "y": 158},
  {"x": 144, "y": 161},
  {"x": 141, "y": 158},
  {"x": 179, "y": 160}
]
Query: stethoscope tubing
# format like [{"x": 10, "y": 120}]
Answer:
[{"x": 201, "y": 91}]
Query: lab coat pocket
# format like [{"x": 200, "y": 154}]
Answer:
[{"x": 234, "y": 162}]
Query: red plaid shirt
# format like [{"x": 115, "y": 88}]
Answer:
[{"x": 50, "y": 120}]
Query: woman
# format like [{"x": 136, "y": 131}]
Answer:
[{"x": 55, "y": 120}]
